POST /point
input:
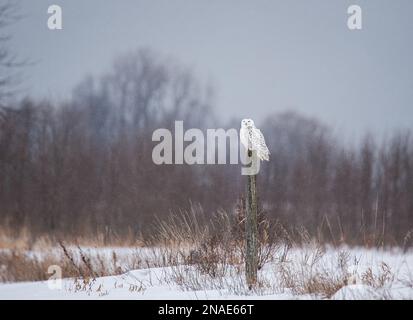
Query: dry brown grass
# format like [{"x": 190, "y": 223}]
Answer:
[
  {"x": 21, "y": 239},
  {"x": 202, "y": 255},
  {"x": 382, "y": 277},
  {"x": 20, "y": 265},
  {"x": 24, "y": 239},
  {"x": 215, "y": 245},
  {"x": 17, "y": 266}
]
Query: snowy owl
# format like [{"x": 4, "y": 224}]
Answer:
[{"x": 252, "y": 139}]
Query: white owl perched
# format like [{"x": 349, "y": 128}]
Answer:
[{"x": 253, "y": 139}]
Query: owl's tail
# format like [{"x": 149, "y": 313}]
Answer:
[{"x": 264, "y": 155}]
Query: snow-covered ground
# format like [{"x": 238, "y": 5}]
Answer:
[{"x": 305, "y": 273}]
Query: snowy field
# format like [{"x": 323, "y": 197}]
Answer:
[{"x": 300, "y": 273}]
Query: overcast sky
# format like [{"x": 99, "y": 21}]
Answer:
[{"x": 262, "y": 56}]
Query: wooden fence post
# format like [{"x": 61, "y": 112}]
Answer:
[{"x": 251, "y": 230}]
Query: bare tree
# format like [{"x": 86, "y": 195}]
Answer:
[
  {"x": 85, "y": 166},
  {"x": 9, "y": 61}
]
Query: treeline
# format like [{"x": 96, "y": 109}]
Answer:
[
  {"x": 354, "y": 194},
  {"x": 85, "y": 166}
]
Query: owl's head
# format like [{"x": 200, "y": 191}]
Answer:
[{"x": 247, "y": 123}]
